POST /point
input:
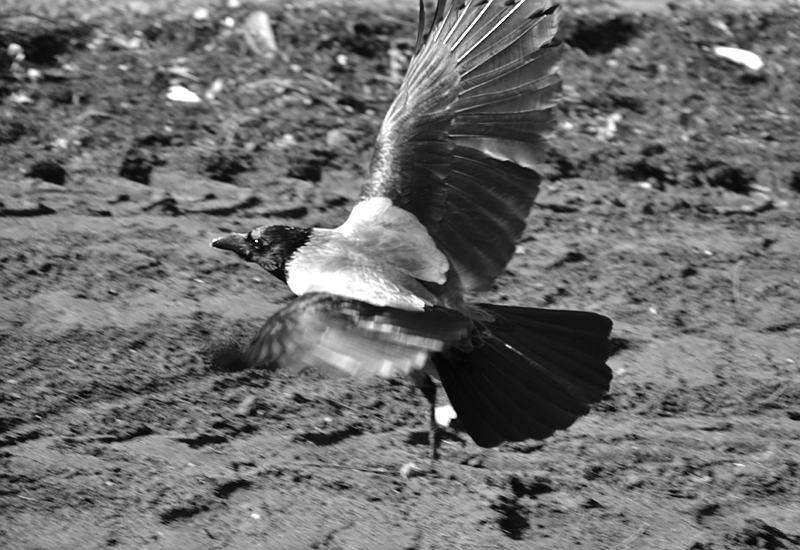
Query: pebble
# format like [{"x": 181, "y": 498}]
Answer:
[
  {"x": 247, "y": 407},
  {"x": 336, "y": 139}
]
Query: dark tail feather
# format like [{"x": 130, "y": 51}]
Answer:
[{"x": 532, "y": 372}]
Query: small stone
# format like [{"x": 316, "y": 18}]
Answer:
[
  {"x": 258, "y": 34},
  {"x": 182, "y": 94},
  {"x": 475, "y": 462},
  {"x": 336, "y": 139},
  {"x": 247, "y": 407},
  {"x": 590, "y": 503},
  {"x": 410, "y": 469},
  {"x": 634, "y": 480}
]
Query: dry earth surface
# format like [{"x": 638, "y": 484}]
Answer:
[{"x": 671, "y": 203}]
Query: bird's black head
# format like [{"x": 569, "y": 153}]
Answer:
[{"x": 269, "y": 246}]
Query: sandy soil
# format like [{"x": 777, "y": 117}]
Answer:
[{"x": 672, "y": 204}]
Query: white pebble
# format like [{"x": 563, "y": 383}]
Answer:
[
  {"x": 182, "y": 94},
  {"x": 742, "y": 57}
]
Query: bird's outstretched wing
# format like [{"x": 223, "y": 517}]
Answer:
[
  {"x": 348, "y": 337},
  {"x": 458, "y": 146}
]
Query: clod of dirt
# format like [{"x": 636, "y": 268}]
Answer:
[
  {"x": 329, "y": 438},
  {"x": 759, "y": 534},
  {"x": 512, "y": 518},
  {"x": 794, "y": 181},
  {"x": 632, "y": 102},
  {"x": 561, "y": 165},
  {"x": 162, "y": 203},
  {"x": 8, "y": 439},
  {"x": 597, "y": 471},
  {"x": 571, "y": 257},
  {"x": 644, "y": 169},
  {"x": 224, "y": 490},
  {"x": 11, "y": 131},
  {"x": 138, "y": 164},
  {"x": 202, "y": 439},
  {"x": 353, "y": 102},
  {"x": 595, "y": 34},
  {"x": 281, "y": 211},
  {"x": 126, "y": 433},
  {"x": 734, "y": 178},
  {"x": 175, "y": 513},
  {"x": 224, "y": 207},
  {"x": 22, "y": 207},
  {"x": 530, "y": 485},
  {"x": 590, "y": 504},
  {"x": 368, "y": 38},
  {"x": 308, "y": 165},
  {"x": 41, "y": 39},
  {"x": 513, "y": 514},
  {"x": 226, "y": 165},
  {"x": 225, "y": 356},
  {"x": 706, "y": 510},
  {"x": 49, "y": 171}
]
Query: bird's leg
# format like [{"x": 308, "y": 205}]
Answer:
[
  {"x": 433, "y": 427},
  {"x": 428, "y": 389}
]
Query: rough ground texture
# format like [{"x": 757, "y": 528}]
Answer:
[{"x": 671, "y": 203}]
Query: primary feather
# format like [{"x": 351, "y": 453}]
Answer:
[{"x": 460, "y": 142}]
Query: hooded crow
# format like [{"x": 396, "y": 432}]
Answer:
[{"x": 452, "y": 181}]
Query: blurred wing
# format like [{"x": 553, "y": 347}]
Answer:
[
  {"x": 458, "y": 146},
  {"x": 344, "y": 336}
]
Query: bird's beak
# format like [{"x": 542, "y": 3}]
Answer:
[{"x": 235, "y": 242}]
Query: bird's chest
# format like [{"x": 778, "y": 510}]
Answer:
[{"x": 338, "y": 267}]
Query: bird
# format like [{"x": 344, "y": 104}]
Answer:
[{"x": 452, "y": 180}]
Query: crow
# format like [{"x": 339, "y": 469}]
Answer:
[{"x": 452, "y": 180}]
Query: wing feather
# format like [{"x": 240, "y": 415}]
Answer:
[
  {"x": 342, "y": 336},
  {"x": 459, "y": 145}
]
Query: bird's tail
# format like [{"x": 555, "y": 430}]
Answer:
[{"x": 527, "y": 372}]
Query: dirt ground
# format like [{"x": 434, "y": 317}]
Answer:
[{"x": 671, "y": 204}]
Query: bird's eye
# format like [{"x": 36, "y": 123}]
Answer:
[{"x": 257, "y": 243}]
